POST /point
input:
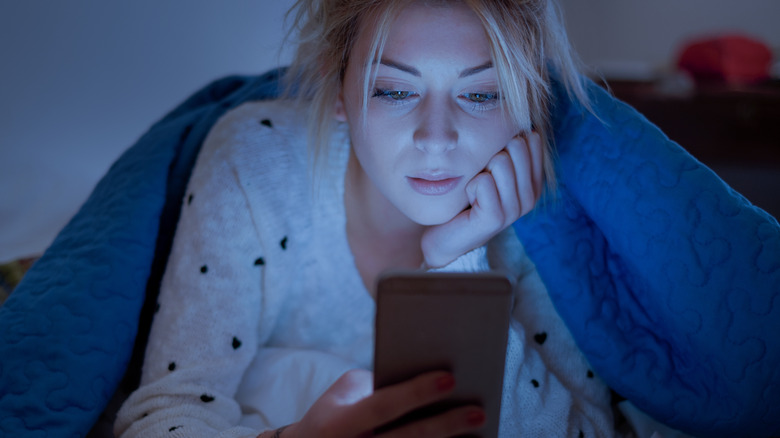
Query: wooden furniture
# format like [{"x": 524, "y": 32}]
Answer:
[{"x": 734, "y": 130}]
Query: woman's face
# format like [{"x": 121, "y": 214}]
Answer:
[{"x": 434, "y": 117}]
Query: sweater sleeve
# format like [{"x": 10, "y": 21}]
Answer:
[
  {"x": 205, "y": 331},
  {"x": 549, "y": 388}
]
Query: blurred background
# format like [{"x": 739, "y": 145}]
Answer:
[{"x": 83, "y": 79}]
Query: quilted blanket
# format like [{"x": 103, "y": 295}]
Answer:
[{"x": 668, "y": 279}]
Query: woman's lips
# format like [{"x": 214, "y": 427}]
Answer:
[{"x": 433, "y": 186}]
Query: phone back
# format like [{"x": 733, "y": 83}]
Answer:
[{"x": 445, "y": 321}]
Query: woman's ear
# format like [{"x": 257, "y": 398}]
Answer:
[{"x": 339, "y": 111}]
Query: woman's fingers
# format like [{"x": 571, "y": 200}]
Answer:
[
  {"x": 518, "y": 171},
  {"x": 392, "y": 402},
  {"x": 486, "y": 210},
  {"x": 536, "y": 148},
  {"x": 523, "y": 157},
  {"x": 351, "y": 387},
  {"x": 329, "y": 416},
  {"x": 350, "y": 409},
  {"x": 503, "y": 170},
  {"x": 455, "y": 422}
]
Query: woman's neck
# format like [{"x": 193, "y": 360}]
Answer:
[{"x": 381, "y": 236}]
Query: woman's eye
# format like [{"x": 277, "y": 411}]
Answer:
[
  {"x": 481, "y": 97},
  {"x": 392, "y": 94},
  {"x": 481, "y": 101}
]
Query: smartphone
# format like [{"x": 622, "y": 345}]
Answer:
[{"x": 457, "y": 322}]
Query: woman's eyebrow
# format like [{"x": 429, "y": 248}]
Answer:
[
  {"x": 400, "y": 66},
  {"x": 475, "y": 70},
  {"x": 414, "y": 72}
]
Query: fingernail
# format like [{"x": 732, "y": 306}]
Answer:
[
  {"x": 445, "y": 383},
  {"x": 475, "y": 418}
]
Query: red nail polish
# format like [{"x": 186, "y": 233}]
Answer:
[
  {"x": 475, "y": 418},
  {"x": 445, "y": 383}
]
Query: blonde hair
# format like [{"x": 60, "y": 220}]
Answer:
[{"x": 527, "y": 37}]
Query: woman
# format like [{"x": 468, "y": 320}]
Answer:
[{"x": 428, "y": 137}]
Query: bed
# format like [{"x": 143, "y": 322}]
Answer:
[{"x": 668, "y": 279}]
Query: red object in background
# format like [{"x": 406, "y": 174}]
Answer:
[{"x": 733, "y": 59}]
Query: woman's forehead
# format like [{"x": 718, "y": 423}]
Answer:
[{"x": 424, "y": 29}]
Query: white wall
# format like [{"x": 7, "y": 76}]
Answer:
[
  {"x": 82, "y": 79},
  {"x": 640, "y": 37}
]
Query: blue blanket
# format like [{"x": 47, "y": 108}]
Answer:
[{"x": 668, "y": 279}]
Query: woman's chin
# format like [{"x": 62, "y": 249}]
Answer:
[{"x": 434, "y": 216}]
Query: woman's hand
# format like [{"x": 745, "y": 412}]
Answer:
[
  {"x": 507, "y": 189},
  {"x": 350, "y": 409}
]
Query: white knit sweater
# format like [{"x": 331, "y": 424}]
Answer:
[{"x": 261, "y": 307}]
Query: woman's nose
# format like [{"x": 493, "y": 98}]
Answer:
[{"x": 436, "y": 132}]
